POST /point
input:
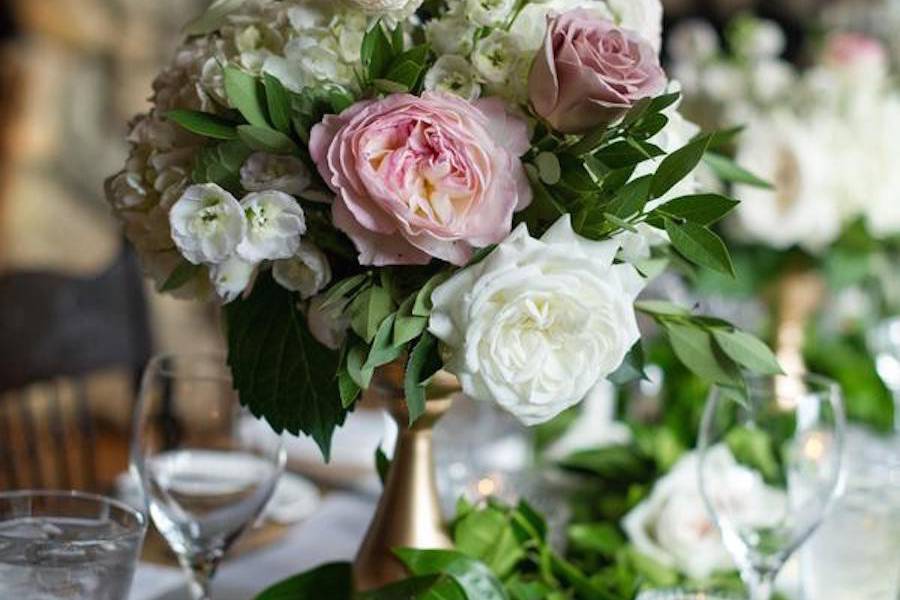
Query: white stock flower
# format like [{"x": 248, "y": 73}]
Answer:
[
  {"x": 793, "y": 155},
  {"x": 263, "y": 171},
  {"x": 455, "y": 75},
  {"x": 207, "y": 224},
  {"x": 497, "y": 56},
  {"x": 451, "y": 34},
  {"x": 673, "y": 526},
  {"x": 328, "y": 323},
  {"x": 538, "y": 323},
  {"x": 642, "y": 16},
  {"x": 307, "y": 272},
  {"x": 693, "y": 40},
  {"x": 275, "y": 223},
  {"x": 489, "y": 13},
  {"x": 231, "y": 277},
  {"x": 530, "y": 24}
]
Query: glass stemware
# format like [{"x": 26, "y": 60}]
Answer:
[
  {"x": 205, "y": 479},
  {"x": 787, "y": 439},
  {"x": 884, "y": 344}
]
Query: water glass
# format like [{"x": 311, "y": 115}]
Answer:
[
  {"x": 67, "y": 546},
  {"x": 787, "y": 435},
  {"x": 856, "y": 551},
  {"x": 206, "y": 477}
]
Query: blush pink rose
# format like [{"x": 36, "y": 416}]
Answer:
[
  {"x": 590, "y": 72},
  {"x": 422, "y": 177},
  {"x": 857, "y": 52}
]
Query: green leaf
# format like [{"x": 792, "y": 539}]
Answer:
[
  {"x": 383, "y": 350},
  {"x": 728, "y": 170},
  {"x": 424, "y": 361},
  {"x": 340, "y": 99},
  {"x": 333, "y": 581},
  {"x": 281, "y": 372},
  {"x": 244, "y": 93},
  {"x": 614, "y": 463},
  {"x": 603, "y": 538},
  {"x": 382, "y": 464},
  {"x": 265, "y": 139},
  {"x": 626, "y": 153},
  {"x": 702, "y": 209},
  {"x": 590, "y": 141},
  {"x": 407, "y": 69},
  {"x": 180, "y": 276},
  {"x": 620, "y": 223},
  {"x": 678, "y": 165},
  {"x": 422, "y": 306},
  {"x": 747, "y": 350},
  {"x": 661, "y": 103},
  {"x": 342, "y": 289},
  {"x": 407, "y": 326},
  {"x": 356, "y": 360},
  {"x": 487, "y": 535},
  {"x": 548, "y": 167},
  {"x": 662, "y": 308},
  {"x": 376, "y": 51},
  {"x": 368, "y": 310},
  {"x": 473, "y": 577},
  {"x": 694, "y": 347},
  {"x": 213, "y": 18},
  {"x": 435, "y": 586},
  {"x": 631, "y": 198},
  {"x": 205, "y": 124},
  {"x": 348, "y": 388},
  {"x": 654, "y": 572},
  {"x": 544, "y": 202},
  {"x": 700, "y": 246},
  {"x": 632, "y": 367},
  {"x": 278, "y": 101}
]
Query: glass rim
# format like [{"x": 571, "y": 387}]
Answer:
[
  {"x": 99, "y": 499},
  {"x": 156, "y": 365},
  {"x": 819, "y": 382}
]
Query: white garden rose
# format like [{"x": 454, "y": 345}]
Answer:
[
  {"x": 275, "y": 223},
  {"x": 307, "y": 272},
  {"x": 231, "y": 277},
  {"x": 453, "y": 74},
  {"x": 794, "y": 155},
  {"x": 263, "y": 171},
  {"x": 642, "y": 16},
  {"x": 489, "y": 13},
  {"x": 673, "y": 526},
  {"x": 538, "y": 323},
  {"x": 328, "y": 322},
  {"x": 207, "y": 224}
]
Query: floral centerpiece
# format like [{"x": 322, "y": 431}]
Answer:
[{"x": 478, "y": 186}]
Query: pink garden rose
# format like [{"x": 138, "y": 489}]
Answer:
[
  {"x": 856, "y": 52},
  {"x": 590, "y": 72},
  {"x": 422, "y": 177}
]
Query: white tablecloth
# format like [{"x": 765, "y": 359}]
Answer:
[{"x": 332, "y": 534}]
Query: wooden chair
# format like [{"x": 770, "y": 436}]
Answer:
[{"x": 71, "y": 354}]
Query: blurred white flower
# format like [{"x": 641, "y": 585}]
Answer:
[
  {"x": 275, "y": 223},
  {"x": 307, "y": 272},
  {"x": 771, "y": 80},
  {"x": 693, "y": 40},
  {"x": 759, "y": 39},
  {"x": 724, "y": 83},
  {"x": 231, "y": 277},
  {"x": 595, "y": 427},
  {"x": 793, "y": 155},
  {"x": 643, "y": 16},
  {"x": 451, "y": 34},
  {"x": 489, "y": 13},
  {"x": 455, "y": 75},
  {"x": 673, "y": 526},
  {"x": 207, "y": 224},
  {"x": 263, "y": 171}
]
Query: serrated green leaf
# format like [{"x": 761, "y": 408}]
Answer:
[
  {"x": 694, "y": 347},
  {"x": 422, "y": 305},
  {"x": 245, "y": 94},
  {"x": 205, "y": 124},
  {"x": 678, "y": 165},
  {"x": 590, "y": 141},
  {"x": 180, "y": 276},
  {"x": 280, "y": 370},
  {"x": 356, "y": 359},
  {"x": 702, "y": 209},
  {"x": 264, "y": 139},
  {"x": 278, "y": 101},
  {"x": 700, "y": 246},
  {"x": 368, "y": 310},
  {"x": 437, "y": 586},
  {"x": 472, "y": 576},
  {"x": 424, "y": 361},
  {"x": 728, "y": 170},
  {"x": 383, "y": 350},
  {"x": 747, "y": 350}
]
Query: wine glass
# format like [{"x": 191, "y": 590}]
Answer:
[
  {"x": 884, "y": 343},
  {"x": 769, "y": 467},
  {"x": 205, "y": 479}
]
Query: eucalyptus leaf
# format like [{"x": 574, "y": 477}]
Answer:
[
  {"x": 548, "y": 168},
  {"x": 422, "y": 305},
  {"x": 383, "y": 350},
  {"x": 407, "y": 326},
  {"x": 694, "y": 347}
]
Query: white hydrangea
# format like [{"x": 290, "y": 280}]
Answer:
[
  {"x": 453, "y": 74},
  {"x": 307, "y": 272},
  {"x": 274, "y": 224},
  {"x": 263, "y": 171},
  {"x": 207, "y": 224}
]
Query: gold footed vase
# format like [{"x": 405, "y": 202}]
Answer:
[{"x": 409, "y": 512}]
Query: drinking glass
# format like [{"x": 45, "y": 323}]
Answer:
[
  {"x": 67, "y": 545},
  {"x": 682, "y": 594},
  {"x": 205, "y": 478},
  {"x": 787, "y": 437},
  {"x": 884, "y": 344}
]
